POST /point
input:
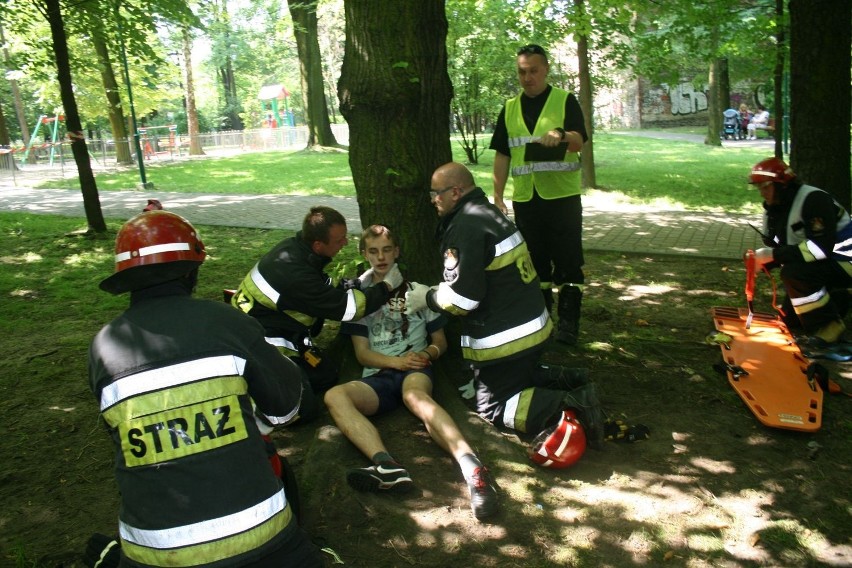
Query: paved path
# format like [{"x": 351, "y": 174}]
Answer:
[{"x": 608, "y": 226}]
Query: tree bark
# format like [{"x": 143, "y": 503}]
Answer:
[
  {"x": 778, "y": 79},
  {"x": 820, "y": 38},
  {"x": 395, "y": 94},
  {"x": 195, "y": 148},
  {"x": 586, "y": 99},
  {"x": 91, "y": 201},
  {"x": 19, "y": 104},
  {"x": 114, "y": 108},
  {"x": 304, "y": 14}
]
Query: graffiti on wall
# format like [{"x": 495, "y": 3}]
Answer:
[{"x": 686, "y": 99}]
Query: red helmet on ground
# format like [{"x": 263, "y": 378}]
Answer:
[
  {"x": 771, "y": 169},
  {"x": 560, "y": 446},
  {"x": 152, "y": 248}
]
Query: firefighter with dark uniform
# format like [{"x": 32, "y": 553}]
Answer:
[
  {"x": 186, "y": 388},
  {"x": 489, "y": 280},
  {"x": 290, "y": 295},
  {"x": 809, "y": 235}
]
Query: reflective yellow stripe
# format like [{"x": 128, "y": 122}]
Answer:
[
  {"x": 303, "y": 319},
  {"x": 810, "y": 303},
  {"x": 507, "y": 251},
  {"x": 149, "y": 403},
  {"x": 170, "y": 376},
  {"x": 185, "y": 431},
  {"x": 356, "y": 303},
  {"x": 453, "y": 303},
  {"x": 810, "y": 251},
  {"x": 517, "y": 409},
  {"x": 208, "y": 541},
  {"x": 489, "y": 349}
]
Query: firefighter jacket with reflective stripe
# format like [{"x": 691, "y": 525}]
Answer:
[
  {"x": 551, "y": 179},
  {"x": 185, "y": 387},
  {"x": 290, "y": 295},
  {"x": 490, "y": 280},
  {"x": 809, "y": 225}
]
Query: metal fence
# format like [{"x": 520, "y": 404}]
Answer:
[{"x": 54, "y": 161}]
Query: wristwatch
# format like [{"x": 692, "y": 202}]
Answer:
[{"x": 561, "y": 132}]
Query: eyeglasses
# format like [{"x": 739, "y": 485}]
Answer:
[{"x": 433, "y": 193}]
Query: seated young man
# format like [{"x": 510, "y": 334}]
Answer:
[{"x": 397, "y": 351}]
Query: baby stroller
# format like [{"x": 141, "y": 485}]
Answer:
[{"x": 731, "y": 125}]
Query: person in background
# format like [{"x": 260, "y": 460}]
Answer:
[
  {"x": 288, "y": 292},
  {"x": 188, "y": 390},
  {"x": 809, "y": 235},
  {"x": 397, "y": 351},
  {"x": 759, "y": 120},
  {"x": 745, "y": 118},
  {"x": 537, "y": 139}
]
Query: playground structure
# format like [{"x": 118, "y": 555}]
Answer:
[
  {"x": 54, "y": 135},
  {"x": 271, "y": 95},
  {"x": 152, "y": 144}
]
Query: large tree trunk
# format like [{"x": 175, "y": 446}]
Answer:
[
  {"x": 116, "y": 114},
  {"x": 395, "y": 94},
  {"x": 586, "y": 99},
  {"x": 304, "y": 14},
  {"x": 820, "y": 37},
  {"x": 195, "y": 148},
  {"x": 91, "y": 201},
  {"x": 714, "y": 104}
]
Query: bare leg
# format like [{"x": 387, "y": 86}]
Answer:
[
  {"x": 349, "y": 405},
  {"x": 417, "y": 396}
]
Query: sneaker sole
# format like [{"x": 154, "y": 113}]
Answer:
[{"x": 370, "y": 484}]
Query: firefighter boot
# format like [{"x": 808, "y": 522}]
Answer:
[
  {"x": 585, "y": 401},
  {"x": 568, "y": 327}
]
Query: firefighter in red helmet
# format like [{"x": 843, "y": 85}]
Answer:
[
  {"x": 187, "y": 388},
  {"x": 809, "y": 235}
]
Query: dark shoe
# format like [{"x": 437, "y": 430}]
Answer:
[
  {"x": 585, "y": 401},
  {"x": 383, "y": 477},
  {"x": 568, "y": 310},
  {"x": 567, "y": 332},
  {"x": 483, "y": 494}
]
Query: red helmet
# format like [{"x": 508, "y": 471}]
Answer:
[
  {"x": 152, "y": 248},
  {"x": 771, "y": 169},
  {"x": 560, "y": 446}
]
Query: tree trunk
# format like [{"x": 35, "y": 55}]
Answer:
[
  {"x": 714, "y": 110},
  {"x": 19, "y": 103},
  {"x": 395, "y": 94},
  {"x": 195, "y": 148},
  {"x": 820, "y": 36},
  {"x": 116, "y": 114},
  {"x": 304, "y": 14},
  {"x": 586, "y": 99},
  {"x": 91, "y": 201}
]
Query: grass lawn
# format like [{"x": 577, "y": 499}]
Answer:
[{"x": 642, "y": 170}]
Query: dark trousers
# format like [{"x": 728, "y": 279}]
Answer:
[
  {"x": 808, "y": 286},
  {"x": 553, "y": 231}
]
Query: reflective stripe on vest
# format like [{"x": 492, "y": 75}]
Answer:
[
  {"x": 552, "y": 179},
  {"x": 208, "y": 541},
  {"x": 508, "y": 342},
  {"x": 170, "y": 376}
]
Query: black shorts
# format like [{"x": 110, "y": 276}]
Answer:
[{"x": 387, "y": 385}]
